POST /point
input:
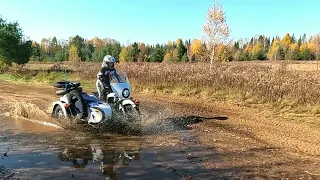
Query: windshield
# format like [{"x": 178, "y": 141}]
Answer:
[{"x": 118, "y": 77}]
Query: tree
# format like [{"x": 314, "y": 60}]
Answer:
[
  {"x": 305, "y": 52},
  {"x": 87, "y": 51},
  {"x": 125, "y": 55},
  {"x": 167, "y": 58},
  {"x": 195, "y": 48},
  {"x": 276, "y": 52},
  {"x": 293, "y": 39},
  {"x": 13, "y": 46},
  {"x": 257, "y": 52},
  {"x": 24, "y": 52},
  {"x": 248, "y": 51},
  {"x": 204, "y": 56},
  {"x": 176, "y": 55},
  {"x": 215, "y": 30},
  {"x": 304, "y": 38},
  {"x": 172, "y": 56},
  {"x": 144, "y": 52},
  {"x": 315, "y": 45},
  {"x": 286, "y": 41},
  {"x": 236, "y": 45},
  {"x": 157, "y": 54},
  {"x": 97, "y": 43},
  {"x": 243, "y": 56},
  {"x": 223, "y": 53},
  {"x": 79, "y": 43},
  {"x": 135, "y": 51},
  {"x": 185, "y": 58},
  {"x": 299, "y": 41},
  {"x": 181, "y": 48},
  {"x": 54, "y": 47},
  {"x": 115, "y": 49},
  {"x": 35, "y": 52},
  {"x": 187, "y": 43},
  {"x": 293, "y": 53},
  {"x": 74, "y": 54}
]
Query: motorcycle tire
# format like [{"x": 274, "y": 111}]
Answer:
[
  {"x": 132, "y": 114},
  {"x": 83, "y": 110}
]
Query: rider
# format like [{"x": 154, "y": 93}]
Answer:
[{"x": 103, "y": 80}]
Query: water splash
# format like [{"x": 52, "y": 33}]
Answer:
[
  {"x": 158, "y": 122},
  {"x": 31, "y": 112}
]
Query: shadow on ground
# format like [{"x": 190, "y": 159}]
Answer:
[
  {"x": 184, "y": 121},
  {"x": 173, "y": 124}
]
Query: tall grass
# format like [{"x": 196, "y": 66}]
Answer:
[
  {"x": 264, "y": 83},
  {"x": 257, "y": 82}
]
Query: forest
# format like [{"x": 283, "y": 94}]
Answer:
[{"x": 15, "y": 47}]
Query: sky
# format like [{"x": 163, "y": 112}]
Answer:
[{"x": 157, "y": 21}]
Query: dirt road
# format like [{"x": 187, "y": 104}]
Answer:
[{"x": 183, "y": 139}]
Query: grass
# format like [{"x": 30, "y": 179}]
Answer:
[{"x": 275, "y": 85}]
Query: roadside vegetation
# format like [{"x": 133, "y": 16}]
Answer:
[{"x": 271, "y": 86}]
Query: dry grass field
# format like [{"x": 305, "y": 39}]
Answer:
[{"x": 280, "y": 84}]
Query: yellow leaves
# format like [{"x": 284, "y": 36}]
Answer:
[
  {"x": 286, "y": 41},
  {"x": 195, "y": 47},
  {"x": 257, "y": 48},
  {"x": 313, "y": 47},
  {"x": 171, "y": 56},
  {"x": 124, "y": 55},
  {"x": 179, "y": 41},
  {"x": 34, "y": 43},
  {"x": 223, "y": 53},
  {"x": 304, "y": 46},
  {"x": 142, "y": 47},
  {"x": 175, "y": 53},
  {"x": 218, "y": 13},
  {"x": 248, "y": 48},
  {"x": 219, "y": 48},
  {"x": 215, "y": 30},
  {"x": 274, "y": 49},
  {"x": 294, "y": 46},
  {"x": 167, "y": 57},
  {"x": 73, "y": 54},
  {"x": 314, "y": 44},
  {"x": 97, "y": 43}
]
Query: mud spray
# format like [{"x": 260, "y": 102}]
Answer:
[
  {"x": 30, "y": 112},
  {"x": 155, "y": 121}
]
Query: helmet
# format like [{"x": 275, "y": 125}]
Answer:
[{"x": 108, "y": 61}]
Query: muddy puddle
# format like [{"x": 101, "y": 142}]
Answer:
[
  {"x": 172, "y": 146},
  {"x": 35, "y": 151}
]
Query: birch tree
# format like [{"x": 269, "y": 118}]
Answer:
[{"x": 215, "y": 30}]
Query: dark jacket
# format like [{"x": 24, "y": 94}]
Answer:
[{"x": 105, "y": 75}]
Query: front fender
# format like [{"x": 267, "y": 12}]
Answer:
[
  {"x": 128, "y": 102},
  {"x": 59, "y": 103}
]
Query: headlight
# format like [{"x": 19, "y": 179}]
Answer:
[{"x": 126, "y": 93}]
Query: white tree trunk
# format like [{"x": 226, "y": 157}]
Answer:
[{"x": 211, "y": 58}]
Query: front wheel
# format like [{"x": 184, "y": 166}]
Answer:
[
  {"x": 133, "y": 118},
  {"x": 132, "y": 113}
]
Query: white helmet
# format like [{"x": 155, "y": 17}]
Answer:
[{"x": 108, "y": 61}]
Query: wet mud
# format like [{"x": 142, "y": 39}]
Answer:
[{"x": 173, "y": 145}]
